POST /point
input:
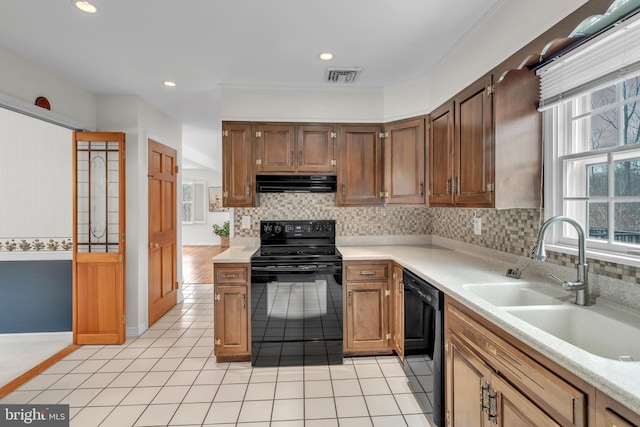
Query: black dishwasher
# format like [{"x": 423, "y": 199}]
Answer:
[{"x": 424, "y": 349}]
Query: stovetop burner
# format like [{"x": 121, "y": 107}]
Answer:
[{"x": 299, "y": 241}]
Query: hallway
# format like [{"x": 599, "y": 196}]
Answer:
[{"x": 168, "y": 376}]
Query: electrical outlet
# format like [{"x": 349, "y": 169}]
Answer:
[
  {"x": 477, "y": 226},
  {"x": 246, "y": 222},
  {"x": 514, "y": 273}
]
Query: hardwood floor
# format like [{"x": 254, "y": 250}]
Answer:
[{"x": 196, "y": 263}]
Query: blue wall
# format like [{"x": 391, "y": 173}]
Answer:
[{"x": 35, "y": 296}]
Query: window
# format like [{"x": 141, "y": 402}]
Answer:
[
  {"x": 591, "y": 104},
  {"x": 193, "y": 202},
  {"x": 597, "y": 156}
]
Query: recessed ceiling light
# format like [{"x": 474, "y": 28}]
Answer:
[
  {"x": 326, "y": 56},
  {"x": 85, "y": 6},
  {"x": 169, "y": 83}
]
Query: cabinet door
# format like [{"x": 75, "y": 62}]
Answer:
[
  {"x": 510, "y": 408},
  {"x": 473, "y": 155},
  {"x": 397, "y": 311},
  {"x": 467, "y": 385},
  {"x": 237, "y": 165},
  {"x": 441, "y": 156},
  {"x": 404, "y": 151},
  {"x": 315, "y": 146},
  {"x": 367, "y": 317},
  {"x": 231, "y": 328},
  {"x": 360, "y": 166},
  {"x": 276, "y": 147},
  {"x": 610, "y": 413}
]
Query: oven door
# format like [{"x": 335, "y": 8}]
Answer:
[{"x": 296, "y": 314}]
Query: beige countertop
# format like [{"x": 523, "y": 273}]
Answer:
[{"x": 449, "y": 270}]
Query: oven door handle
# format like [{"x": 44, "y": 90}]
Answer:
[{"x": 296, "y": 268}]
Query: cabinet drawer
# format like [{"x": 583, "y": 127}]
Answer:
[
  {"x": 558, "y": 398},
  {"x": 231, "y": 274},
  {"x": 367, "y": 272}
]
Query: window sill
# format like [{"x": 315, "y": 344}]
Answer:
[{"x": 614, "y": 257}]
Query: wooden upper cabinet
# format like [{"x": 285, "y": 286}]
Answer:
[
  {"x": 441, "y": 155},
  {"x": 360, "y": 165},
  {"x": 473, "y": 149},
  {"x": 276, "y": 148},
  {"x": 404, "y": 162},
  {"x": 238, "y": 178},
  {"x": 316, "y": 148},
  {"x": 291, "y": 148},
  {"x": 461, "y": 156}
]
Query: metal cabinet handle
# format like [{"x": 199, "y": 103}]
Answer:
[
  {"x": 154, "y": 245},
  {"x": 344, "y": 191},
  {"x": 248, "y": 190},
  {"x": 367, "y": 273},
  {"x": 349, "y": 298},
  {"x": 291, "y": 158},
  {"x": 449, "y": 186},
  {"x": 421, "y": 189},
  {"x": 230, "y": 275},
  {"x": 300, "y": 157},
  {"x": 244, "y": 302}
]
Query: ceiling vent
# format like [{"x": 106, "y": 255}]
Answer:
[{"x": 342, "y": 75}]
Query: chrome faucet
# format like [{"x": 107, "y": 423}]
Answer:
[{"x": 581, "y": 285}]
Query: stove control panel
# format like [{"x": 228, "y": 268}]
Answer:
[{"x": 276, "y": 230}]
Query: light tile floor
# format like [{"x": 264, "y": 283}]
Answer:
[{"x": 169, "y": 377}]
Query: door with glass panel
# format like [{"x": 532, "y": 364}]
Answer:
[{"x": 99, "y": 238}]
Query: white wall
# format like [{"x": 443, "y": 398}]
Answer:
[
  {"x": 202, "y": 234},
  {"x": 302, "y": 105},
  {"x": 24, "y": 80},
  {"x": 513, "y": 26},
  {"x": 140, "y": 121}
]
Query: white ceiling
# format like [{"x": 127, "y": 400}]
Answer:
[{"x": 131, "y": 46}]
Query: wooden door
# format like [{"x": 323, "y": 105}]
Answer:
[
  {"x": 441, "y": 156},
  {"x": 360, "y": 166},
  {"x": 276, "y": 148},
  {"x": 404, "y": 152},
  {"x": 99, "y": 238},
  {"x": 466, "y": 374},
  {"x": 238, "y": 177},
  {"x": 473, "y": 154},
  {"x": 163, "y": 285},
  {"x": 397, "y": 311},
  {"x": 367, "y": 317},
  {"x": 316, "y": 149}
]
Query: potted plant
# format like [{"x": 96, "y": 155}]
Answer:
[{"x": 223, "y": 232}]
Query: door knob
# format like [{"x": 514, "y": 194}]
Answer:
[{"x": 153, "y": 245}]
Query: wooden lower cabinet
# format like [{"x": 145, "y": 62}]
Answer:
[
  {"x": 489, "y": 381},
  {"x": 610, "y": 413},
  {"x": 498, "y": 404},
  {"x": 371, "y": 308},
  {"x": 231, "y": 312}
]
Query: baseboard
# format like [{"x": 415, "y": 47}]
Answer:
[
  {"x": 35, "y": 334},
  {"x": 136, "y": 331}
]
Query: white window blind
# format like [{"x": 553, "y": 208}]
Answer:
[{"x": 613, "y": 55}]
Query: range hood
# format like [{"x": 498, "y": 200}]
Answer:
[{"x": 296, "y": 183}]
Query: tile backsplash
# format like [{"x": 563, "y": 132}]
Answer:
[
  {"x": 512, "y": 231},
  {"x": 357, "y": 221}
]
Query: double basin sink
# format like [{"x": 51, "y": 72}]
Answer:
[{"x": 600, "y": 329}]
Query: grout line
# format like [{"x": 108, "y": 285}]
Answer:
[{"x": 38, "y": 369}]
